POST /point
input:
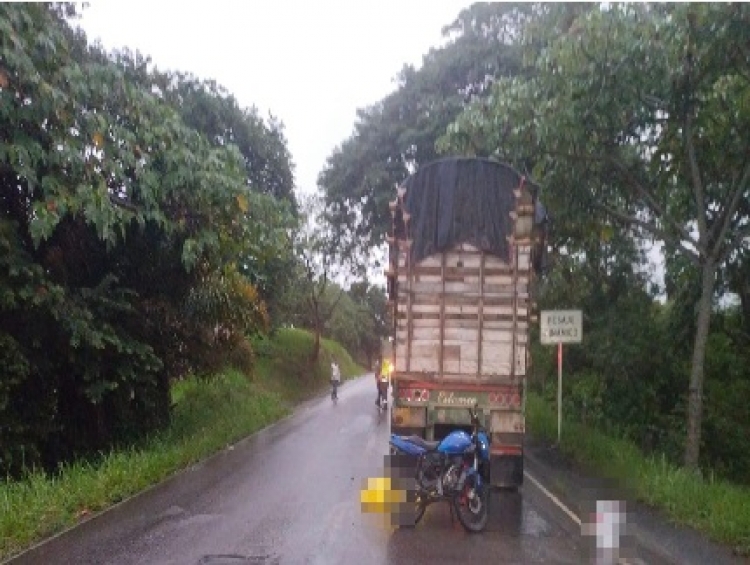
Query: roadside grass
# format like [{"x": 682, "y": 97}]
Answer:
[
  {"x": 283, "y": 364},
  {"x": 715, "y": 507},
  {"x": 208, "y": 415}
]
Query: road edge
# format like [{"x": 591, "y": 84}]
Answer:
[
  {"x": 651, "y": 531},
  {"x": 170, "y": 479}
]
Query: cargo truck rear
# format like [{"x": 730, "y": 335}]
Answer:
[{"x": 465, "y": 240}]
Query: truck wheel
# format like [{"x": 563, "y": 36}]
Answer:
[
  {"x": 506, "y": 472},
  {"x": 484, "y": 470}
]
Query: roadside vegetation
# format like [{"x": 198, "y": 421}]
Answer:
[
  {"x": 630, "y": 119},
  {"x": 149, "y": 223},
  {"x": 208, "y": 415},
  {"x": 714, "y": 506}
]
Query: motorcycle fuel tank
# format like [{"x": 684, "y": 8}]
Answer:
[{"x": 455, "y": 443}]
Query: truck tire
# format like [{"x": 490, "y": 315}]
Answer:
[{"x": 506, "y": 471}]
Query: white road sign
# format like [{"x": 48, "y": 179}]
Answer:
[{"x": 561, "y": 326}]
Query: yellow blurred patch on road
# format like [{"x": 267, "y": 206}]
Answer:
[{"x": 379, "y": 497}]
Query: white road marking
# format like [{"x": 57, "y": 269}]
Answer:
[
  {"x": 553, "y": 498},
  {"x": 572, "y": 515}
]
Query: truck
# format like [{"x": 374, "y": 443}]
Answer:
[{"x": 465, "y": 242}]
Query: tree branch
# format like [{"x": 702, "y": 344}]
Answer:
[
  {"x": 736, "y": 242},
  {"x": 651, "y": 201},
  {"x": 332, "y": 307},
  {"x": 122, "y": 203},
  {"x": 697, "y": 183},
  {"x": 721, "y": 226},
  {"x": 666, "y": 236}
]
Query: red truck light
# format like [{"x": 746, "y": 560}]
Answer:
[
  {"x": 505, "y": 399},
  {"x": 404, "y": 394},
  {"x": 414, "y": 395},
  {"x": 422, "y": 395}
]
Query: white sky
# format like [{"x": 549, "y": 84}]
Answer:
[{"x": 311, "y": 64}]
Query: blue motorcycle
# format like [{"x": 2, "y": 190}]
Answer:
[{"x": 451, "y": 470}]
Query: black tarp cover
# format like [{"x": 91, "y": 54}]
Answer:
[{"x": 460, "y": 200}]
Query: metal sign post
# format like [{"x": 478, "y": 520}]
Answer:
[
  {"x": 559, "y": 391},
  {"x": 558, "y": 327}
]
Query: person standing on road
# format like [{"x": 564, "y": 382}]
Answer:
[
  {"x": 382, "y": 378},
  {"x": 335, "y": 378}
]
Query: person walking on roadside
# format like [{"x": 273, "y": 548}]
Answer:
[
  {"x": 382, "y": 380},
  {"x": 335, "y": 379}
]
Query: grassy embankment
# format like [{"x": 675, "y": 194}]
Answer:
[
  {"x": 718, "y": 508},
  {"x": 208, "y": 416}
]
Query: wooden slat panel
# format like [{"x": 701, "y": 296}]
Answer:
[
  {"x": 443, "y": 344},
  {"x": 502, "y": 308},
  {"x": 434, "y": 288},
  {"x": 466, "y": 316},
  {"x": 492, "y": 276},
  {"x": 466, "y": 323},
  {"x": 428, "y": 364},
  {"x": 521, "y": 358},
  {"x": 410, "y": 321},
  {"x": 445, "y": 303},
  {"x": 451, "y": 334}
]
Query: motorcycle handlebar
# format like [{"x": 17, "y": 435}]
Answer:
[{"x": 473, "y": 412}]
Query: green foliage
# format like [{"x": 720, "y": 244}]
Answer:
[
  {"x": 631, "y": 116},
  {"x": 362, "y": 322},
  {"x": 283, "y": 363},
  {"x": 397, "y": 134},
  {"x": 712, "y": 506},
  {"x": 208, "y": 415},
  {"x": 726, "y": 442},
  {"x": 120, "y": 225}
]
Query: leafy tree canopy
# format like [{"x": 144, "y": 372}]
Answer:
[
  {"x": 124, "y": 235},
  {"x": 394, "y": 136},
  {"x": 634, "y": 116}
]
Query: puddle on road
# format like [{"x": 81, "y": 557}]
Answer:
[{"x": 534, "y": 525}]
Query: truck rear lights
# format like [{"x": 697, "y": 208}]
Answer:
[
  {"x": 507, "y": 400},
  {"x": 422, "y": 395},
  {"x": 414, "y": 395}
]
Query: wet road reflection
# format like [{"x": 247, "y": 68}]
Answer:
[{"x": 290, "y": 494}]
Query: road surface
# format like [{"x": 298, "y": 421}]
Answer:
[{"x": 291, "y": 494}]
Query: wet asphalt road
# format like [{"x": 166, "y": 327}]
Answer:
[{"x": 290, "y": 494}]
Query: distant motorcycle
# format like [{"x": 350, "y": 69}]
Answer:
[{"x": 449, "y": 470}]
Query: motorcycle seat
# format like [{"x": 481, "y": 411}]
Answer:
[{"x": 428, "y": 445}]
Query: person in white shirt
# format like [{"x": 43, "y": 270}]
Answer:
[{"x": 335, "y": 379}]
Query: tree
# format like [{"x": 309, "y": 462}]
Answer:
[
  {"x": 207, "y": 107},
  {"x": 374, "y": 316},
  {"x": 396, "y": 135},
  {"x": 113, "y": 213},
  {"x": 637, "y": 114},
  {"x": 314, "y": 294},
  {"x": 359, "y": 321}
]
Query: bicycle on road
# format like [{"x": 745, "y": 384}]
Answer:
[{"x": 334, "y": 390}]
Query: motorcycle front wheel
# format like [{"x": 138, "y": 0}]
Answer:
[
  {"x": 472, "y": 505},
  {"x": 420, "y": 505}
]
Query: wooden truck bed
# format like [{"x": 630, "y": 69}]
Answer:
[{"x": 462, "y": 317}]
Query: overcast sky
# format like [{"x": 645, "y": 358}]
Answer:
[{"x": 311, "y": 64}]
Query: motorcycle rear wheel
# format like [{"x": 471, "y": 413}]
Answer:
[{"x": 472, "y": 511}]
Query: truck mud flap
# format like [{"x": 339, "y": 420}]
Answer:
[{"x": 506, "y": 471}]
